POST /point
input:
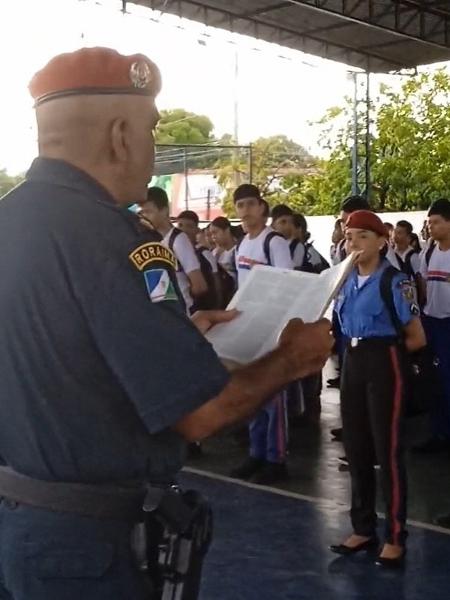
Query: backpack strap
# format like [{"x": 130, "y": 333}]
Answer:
[
  {"x": 388, "y": 297},
  {"x": 269, "y": 237},
  {"x": 293, "y": 245},
  {"x": 171, "y": 242},
  {"x": 172, "y": 237},
  {"x": 429, "y": 252}
]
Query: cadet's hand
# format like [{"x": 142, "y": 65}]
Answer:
[
  {"x": 205, "y": 319},
  {"x": 306, "y": 346}
]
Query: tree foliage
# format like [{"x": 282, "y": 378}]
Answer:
[
  {"x": 178, "y": 126},
  {"x": 7, "y": 182},
  {"x": 277, "y": 163},
  {"x": 410, "y": 148}
]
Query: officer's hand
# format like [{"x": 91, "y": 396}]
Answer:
[
  {"x": 307, "y": 346},
  {"x": 205, "y": 319}
]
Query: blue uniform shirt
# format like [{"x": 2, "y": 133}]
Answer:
[
  {"x": 361, "y": 310},
  {"x": 97, "y": 359}
]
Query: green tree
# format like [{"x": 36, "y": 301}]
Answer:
[
  {"x": 178, "y": 126},
  {"x": 278, "y": 164},
  {"x": 7, "y": 182},
  {"x": 410, "y": 148}
]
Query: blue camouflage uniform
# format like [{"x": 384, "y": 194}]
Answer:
[
  {"x": 372, "y": 398},
  {"x": 97, "y": 363}
]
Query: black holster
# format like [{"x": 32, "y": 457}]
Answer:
[{"x": 173, "y": 540}]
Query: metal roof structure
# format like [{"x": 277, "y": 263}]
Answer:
[{"x": 373, "y": 35}]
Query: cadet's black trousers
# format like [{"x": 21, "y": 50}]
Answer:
[{"x": 372, "y": 405}]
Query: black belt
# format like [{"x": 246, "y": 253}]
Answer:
[
  {"x": 101, "y": 501},
  {"x": 355, "y": 342}
]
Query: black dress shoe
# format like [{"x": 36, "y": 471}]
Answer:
[
  {"x": 392, "y": 563},
  {"x": 344, "y": 550}
]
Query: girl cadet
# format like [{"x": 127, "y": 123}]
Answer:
[{"x": 380, "y": 333}]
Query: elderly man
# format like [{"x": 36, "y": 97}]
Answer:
[{"x": 103, "y": 377}]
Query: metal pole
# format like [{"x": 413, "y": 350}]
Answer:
[
  {"x": 355, "y": 186},
  {"x": 236, "y": 96},
  {"x": 208, "y": 205},
  {"x": 250, "y": 163},
  {"x": 368, "y": 141},
  {"x": 186, "y": 184}
]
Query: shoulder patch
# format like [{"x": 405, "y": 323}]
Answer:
[
  {"x": 159, "y": 285},
  {"x": 407, "y": 289},
  {"x": 152, "y": 252}
]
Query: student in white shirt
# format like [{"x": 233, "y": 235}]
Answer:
[
  {"x": 188, "y": 222},
  {"x": 268, "y": 430},
  {"x": 225, "y": 245},
  {"x": 409, "y": 259},
  {"x": 189, "y": 276},
  {"x": 225, "y": 253},
  {"x": 435, "y": 279}
]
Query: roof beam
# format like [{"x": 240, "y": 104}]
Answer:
[{"x": 320, "y": 7}]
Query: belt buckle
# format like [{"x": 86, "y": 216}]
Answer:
[{"x": 354, "y": 342}]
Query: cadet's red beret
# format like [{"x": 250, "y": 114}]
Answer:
[
  {"x": 95, "y": 71},
  {"x": 368, "y": 220}
]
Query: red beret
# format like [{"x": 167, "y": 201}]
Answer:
[
  {"x": 95, "y": 71},
  {"x": 368, "y": 220}
]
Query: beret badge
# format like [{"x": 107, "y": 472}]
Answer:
[{"x": 140, "y": 74}]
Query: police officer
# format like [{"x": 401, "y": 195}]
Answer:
[
  {"x": 373, "y": 387},
  {"x": 103, "y": 377}
]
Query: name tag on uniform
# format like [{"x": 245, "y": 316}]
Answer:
[{"x": 152, "y": 252}]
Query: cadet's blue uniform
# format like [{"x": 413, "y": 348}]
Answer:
[
  {"x": 372, "y": 399},
  {"x": 97, "y": 362}
]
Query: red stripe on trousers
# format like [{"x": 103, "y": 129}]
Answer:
[{"x": 396, "y": 410}]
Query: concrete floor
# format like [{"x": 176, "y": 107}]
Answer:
[{"x": 313, "y": 463}]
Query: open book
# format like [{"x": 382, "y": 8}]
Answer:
[{"x": 269, "y": 298}]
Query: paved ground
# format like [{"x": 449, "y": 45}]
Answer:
[
  {"x": 269, "y": 546},
  {"x": 314, "y": 468}
]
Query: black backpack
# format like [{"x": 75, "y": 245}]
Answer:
[
  {"x": 266, "y": 245},
  {"x": 207, "y": 301},
  {"x": 405, "y": 264},
  {"x": 307, "y": 266},
  {"x": 228, "y": 284},
  {"x": 422, "y": 377}
]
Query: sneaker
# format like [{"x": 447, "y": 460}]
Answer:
[
  {"x": 249, "y": 467},
  {"x": 334, "y": 383},
  {"x": 271, "y": 473},
  {"x": 337, "y": 434}
]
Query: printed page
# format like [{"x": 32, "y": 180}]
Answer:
[{"x": 269, "y": 298}]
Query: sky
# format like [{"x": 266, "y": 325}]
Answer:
[{"x": 277, "y": 90}]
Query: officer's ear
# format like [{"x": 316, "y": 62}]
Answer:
[{"x": 119, "y": 140}]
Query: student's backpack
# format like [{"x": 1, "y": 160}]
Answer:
[
  {"x": 266, "y": 245},
  {"x": 307, "y": 265},
  {"x": 207, "y": 301},
  {"x": 429, "y": 252},
  {"x": 228, "y": 283},
  {"x": 405, "y": 264},
  {"x": 422, "y": 377}
]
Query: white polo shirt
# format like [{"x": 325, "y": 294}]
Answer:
[
  {"x": 251, "y": 253},
  {"x": 437, "y": 277}
]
